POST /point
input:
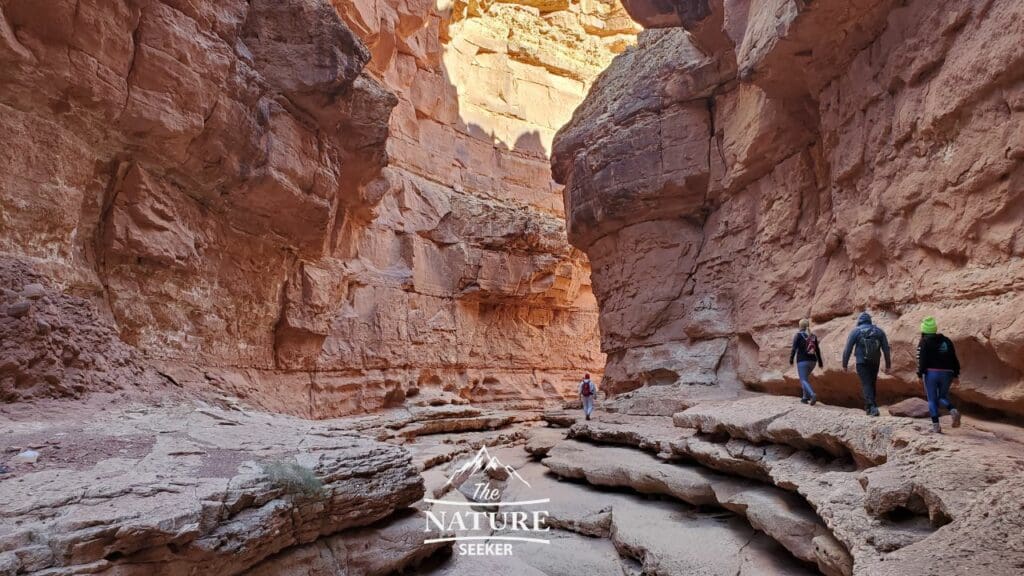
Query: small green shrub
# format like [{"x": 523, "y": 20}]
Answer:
[{"x": 293, "y": 478}]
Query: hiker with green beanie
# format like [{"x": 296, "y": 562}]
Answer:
[{"x": 937, "y": 366}]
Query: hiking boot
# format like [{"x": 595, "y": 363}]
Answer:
[
  {"x": 803, "y": 400},
  {"x": 588, "y": 416},
  {"x": 936, "y": 428},
  {"x": 873, "y": 411},
  {"x": 813, "y": 400},
  {"x": 956, "y": 417}
]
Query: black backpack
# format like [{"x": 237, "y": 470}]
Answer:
[{"x": 871, "y": 340}]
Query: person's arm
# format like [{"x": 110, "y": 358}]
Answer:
[
  {"x": 792, "y": 349},
  {"x": 920, "y": 358},
  {"x": 885, "y": 350},
  {"x": 956, "y": 360},
  {"x": 850, "y": 341}
]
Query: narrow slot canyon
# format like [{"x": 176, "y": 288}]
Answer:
[{"x": 309, "y": 287}]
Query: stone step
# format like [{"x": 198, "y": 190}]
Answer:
[
  {"x": 782, "y": 516},
  {"x": 391, "y": 546},
  {"x": 662, "y": 536},
  {"x": 883, "y": 485}
]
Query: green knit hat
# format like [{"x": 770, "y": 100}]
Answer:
[{"x": 928, "y": 326}]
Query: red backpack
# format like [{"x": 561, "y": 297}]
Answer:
[
  {"x": 588, "y": 388},
  {"x": 811, "y": 345}
]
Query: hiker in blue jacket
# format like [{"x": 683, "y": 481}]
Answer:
[
  {"x": 807, "y": 351},
  {"x": 868, "y": 342}
]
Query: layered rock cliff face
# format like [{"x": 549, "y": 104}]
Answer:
[
  {"x": 461, "y": 277},
  {"x": 208, "y": 176},
  {"x": 753, "y": 163}
]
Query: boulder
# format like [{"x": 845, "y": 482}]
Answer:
[
  {"x": 910, "y": 408},
  {"x": 540, "y": 441}
]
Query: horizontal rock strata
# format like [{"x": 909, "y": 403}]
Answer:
[
  {"x": 322, "y": 208},
  {"x": 394, "y": 546},
  {"x": 782, "y": 516},
  {"x": 210, "y": 490},
  {"x": 748, "y": 165},
  {"x": 891, "y": 493}
]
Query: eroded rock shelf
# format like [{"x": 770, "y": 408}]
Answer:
[{"x": 186, "y": 487}]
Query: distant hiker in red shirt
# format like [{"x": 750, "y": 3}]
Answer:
[
  {"x": 807, "y": 351},
  {"x": 587, "y": 392},
  {"x": 937, "y": 367}
]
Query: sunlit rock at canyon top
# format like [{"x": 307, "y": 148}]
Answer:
[{"x": 311, "y": 287}]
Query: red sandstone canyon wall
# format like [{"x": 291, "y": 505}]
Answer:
[
  {"x": 291, "y": 201},
  {"x": 752, "y": 163}
]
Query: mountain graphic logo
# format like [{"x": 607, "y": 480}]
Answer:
[
  {"x": 483, "y": 461},
  {"x": 483, "y": 524}
]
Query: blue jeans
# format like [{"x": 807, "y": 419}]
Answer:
[
  {"x": 868, "y": 374},
  {"x": 804, "y": 369},
  {"x": 588, "y": 405},
  {"x": 936, "y": 386}
]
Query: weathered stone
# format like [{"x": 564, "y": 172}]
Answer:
[
  {"x": 910, "y": 408},
  {"x": 782, "y": 516},
  {"x": 33, "y": 291},
  {"x": 19, "y": 309},
  {"x": 911, "y": 482},
  {"x": 654, "y": 434},
  {"x": 65, "y": 349},
  {"x": 194, "y": 489},
  {"x": 394, "y": 545},
  {"x": 752, "y": 167},
  {"x": 562, "y": 418},
  {"x": 540, "y": 441},
  {"x": 613, "y": 466},
  {"x": 296, "y": 203},
  {"x": 653, "y": 534}
]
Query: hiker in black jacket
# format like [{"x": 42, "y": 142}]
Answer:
[
  {"x": 807, "y": 351},
  {"x": 937, "y": 366},
  {"x": 870, "y": 342}
]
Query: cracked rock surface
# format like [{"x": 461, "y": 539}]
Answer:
[
  {"x": 186, "y": 488},
  {"x": 894, "y": 495}
]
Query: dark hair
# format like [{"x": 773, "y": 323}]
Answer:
[{"x": 586, "y": 375}]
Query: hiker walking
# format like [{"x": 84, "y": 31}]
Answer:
[
  {"x": 807, "y": 351},
  {"x": 587, "y": 392},
  {"x": 937, "y": 367},
  {"x": 869, "y": 343}
]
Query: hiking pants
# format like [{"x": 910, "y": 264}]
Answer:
[
  {"x": 936, "y": 386},
  {"x": 588, "y": 404},
  {"x": 868, "y": 374},
  {"x": 804, "y": 369}
]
